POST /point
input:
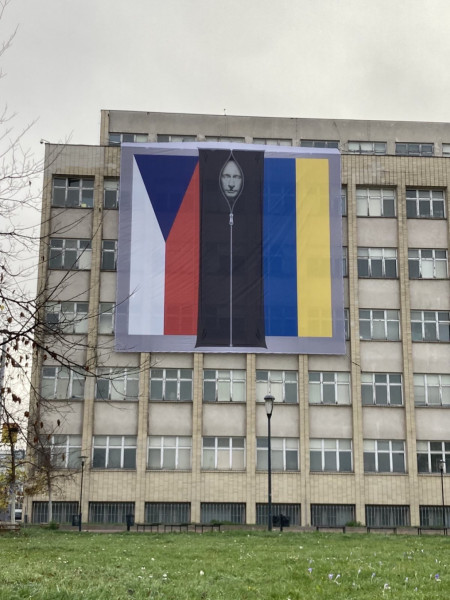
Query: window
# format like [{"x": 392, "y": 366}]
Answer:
[
  {"x": 62, "y": 512},
  {"x": 291, "y": 511},
  {"x": 430, "y": 326},
  {"x": 332, "y": 515},
  {"x": 379, "y": 325},
  {"x": 281, "y": 384},
  {"x": 375, "y": 202},
  {"x": 445, "y": 149},
  {"x": 344, "y": 200},
  {"x": 284, "y": 454},
  {"x": 110, "y": 512},
  {"x": 162, "y": 137},
  {"x": 329, "y": 388},
  {"x": 73, "y": 192},
  {"x": 432, "y": 390},
  {"x": 169, "y": 513},
  {"x": 273, "y": 141},
  {"x": 347, "y": 323},
  {"x": 384, "y": 456},
  {"x": 117, "y": 384},
  {"x": 61, "y": 383},
  {"x": 434, "y": 516},
  {"x": 66, "y": 451},
  {"x": 320, "y": 143},
  {"x": 224, "y": 385},
  {"x": 414, "y": 149},
  {"x": 330, "y": 455},
  {"x": 109, "y": 255},
  {"x": 427, "y": 264},
  {"x": 387, "y": 516},
  {"x": 169, "y": 452},
  {"x": 67, "y": 317},
  {"x": 345, "y": 261},
  {"x": 381, "y": 389},
  {"x": 111, "y": 193},
  {"x": 70, "y": 254},
  {"x": 430, "y": 453},
  {"x": 228, "y": 512},
  {"x": 425, "y": 204},
  {"x": 114, "y": 452},
  {"x": 172, "y": 385},
  {"x": 115, "y": 139},
  {"x": 224, "y": 138},
  {"x": 106, "y": 314},
  {"x": 367, "y": 147},
  {"x": 377, "y": 262},
  {"x": 223, "y": 453}
]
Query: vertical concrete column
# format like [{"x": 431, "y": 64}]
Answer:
[
  {"x": 303, "y": 406},
  {"x": 142, "y": 434},
  {"x": 250, "y": 442},
  {"x": 197, "y": 421}
]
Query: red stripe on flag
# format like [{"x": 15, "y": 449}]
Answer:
[{"x": 182, "y": 266}]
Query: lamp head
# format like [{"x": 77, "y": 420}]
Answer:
[
  {"x": 442, "y": 466},
  {"x": 268, "y": 401}
]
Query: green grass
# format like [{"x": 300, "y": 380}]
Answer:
[{"x": 235, "y": 565}]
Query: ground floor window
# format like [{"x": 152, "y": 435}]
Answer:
[
  {"x": 332, "y": 515},
  {"x": 110, "y": 512},
  {"x": 168, "y": 513},
  {"x": 291, "y": 511},
  {"x": 224, "y": 512},
  {"x": 62, "y": 512},
  {"x": 434, "y": 516},
  {"x": 387, "y": 516}
]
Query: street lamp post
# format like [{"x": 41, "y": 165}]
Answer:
[
  {"x": 268, "y": 401},
  {"x": 442, "y": 471},
  {"x": 83, "y": 458}
]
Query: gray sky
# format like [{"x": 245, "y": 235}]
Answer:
[{"x": 366, "y": 59}]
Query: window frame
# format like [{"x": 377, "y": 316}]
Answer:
[
  {"x": 61, "y": 320},
  {"x": 427, "y": 387},
  {"x": 108, "y": 447},
  {"x": 180, "y": 379},
  {"x": 230, "y": 449},
  {"x": 271, "y": 374},
  {"x": 423, "y": 261},
  {"x": 123, "y": 375},
  {"x": 280, "y": 447},
  {"x": 419, "y": 197},
  {"x": 424, "y": 449},
  {"x": 310, "y": 143},
  {"x": 82, "y": 188},
  {"x": 72, "y": 445},
  {"x": 236, "y": 377},
  {"x": 409, "y": 149},
  {"x": 82, "y": 249},
  {"x": 341, "y": 381},
  {"x": 376, "y": 255},
  {"x": 111, "y": 188},
  {"x": 369, "y": 197},
  {"x": 373, "y": 321},
  {"x": 72, "y": 378},
  {"x": 441, "y": 327},
  {"x": 339, "y": 448},
  {"x": 356, "y": 147},
  {"x": 380, "y": 452},
  {"x": 163, "y": 449},
  {"x": 388, "y": 384},
  {"x": 125, "y": 137},
  {"x": 106, "y": 253},
  {"x": 106, "y": 313}
]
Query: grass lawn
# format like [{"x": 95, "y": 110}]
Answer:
[{"x": 235, "y": 565}]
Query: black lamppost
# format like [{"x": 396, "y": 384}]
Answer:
[
  {"x": 83, "y": 458},
  {"x": 442, "y": 471},
  {"x": 268, "y": 400}
]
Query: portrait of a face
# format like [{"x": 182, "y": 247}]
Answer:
[{"x": 231, "y": 180}]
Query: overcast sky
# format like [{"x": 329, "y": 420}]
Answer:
[{"x": 362, "y": 59}]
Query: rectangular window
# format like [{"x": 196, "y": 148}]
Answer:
[
  {"x": 329, "y": 388},
  {"x": 445, "y": 149},
  {"x": 381, "y": 389},
  {"x": 106, "y": 314},
  {"x": 273, "y": 141},
  {"x": 430, "y": 326},
  {"x": 429, "y": 455},
  {"x": 66, "y": 451},
  {"x": 384, "y": 456},
  {"x": 73, "y": 192},
  {"x": 414, "y": 149},
  {"x": 291, "y": 511},
  {"x": 169, "y": 513},
  {"x": 282, "y": 385},
  {"x": 224, "y": 385},
  {"x": 320, "y": 143},
  {"x": 330, "y": 455},
  {"x": 61, "y": 383},
  {"x": 223, "y": 453},
  {"x": 379, "y": 324},
  {"x": 431, "y": 390},
  {"x": 222, "y": 512},
  {"x": 114, "y": 452},
  {"x": 224, "y": 138},
  {"x": 109, "y": 255},
  {"x": 115, "y": 139},
  {"x": 110, "y": 512},
  {"x": 427, "y": 264},
  {"x": 345, "y": 261},
  {"x": 163, "y": 137},
  {"x": 116, "y": 383},
  {"x": 67, "y": 317},
  {"x": 169, "y": 452},
  {"x": 387, "y": 516},
  {"x": 70, "y": 254},
  {"x": 367, "y": 147},
  {"x": 375, "y": 202},
  {"x": 434, "y": 516},
  {"x": 171, "y": 385},
  {"x": 332, "y": 515},
  {"x": 284, "y": 454},
  {"x": 111, "y": 193},
  {"x": 425, "y": 204},
  {"x": 344, "y": 200},
  {"x": 347, "y": 323},
  {"x": 62, "y": 512},
  {"x": 377, "y": 263}
]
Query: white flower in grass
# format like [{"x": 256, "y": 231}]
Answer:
[
  {"x": 330, "y": 576},
  {"x": 436, "y": 577},
  {"x": 202, "y": 572},
  {"x": 386, "y": 587}
]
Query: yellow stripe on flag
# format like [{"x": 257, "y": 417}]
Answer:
[{"x": 313, "y": 248}]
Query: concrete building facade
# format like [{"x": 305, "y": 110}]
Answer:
[{"x": 183, "y": 437}]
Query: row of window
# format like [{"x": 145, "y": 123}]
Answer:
[
  {"x": 228, "y": 385},
  {"x": 229, "y": 453},
  {"x": 68, "y": 253}
]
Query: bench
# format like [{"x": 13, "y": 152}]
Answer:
[
  {"x": 210, "y": 526},
  {"x": 432, "y": 530},
  {"x": 176, "y": 527},
  {"x": 149, "y": 526},
  {"x": 5, "y": 526},
  {"x": 330, "y": 528},
  {"x": 382, "y": 529}
]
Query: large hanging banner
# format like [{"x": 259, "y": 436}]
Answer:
[{"x": 229, "y": 248}]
